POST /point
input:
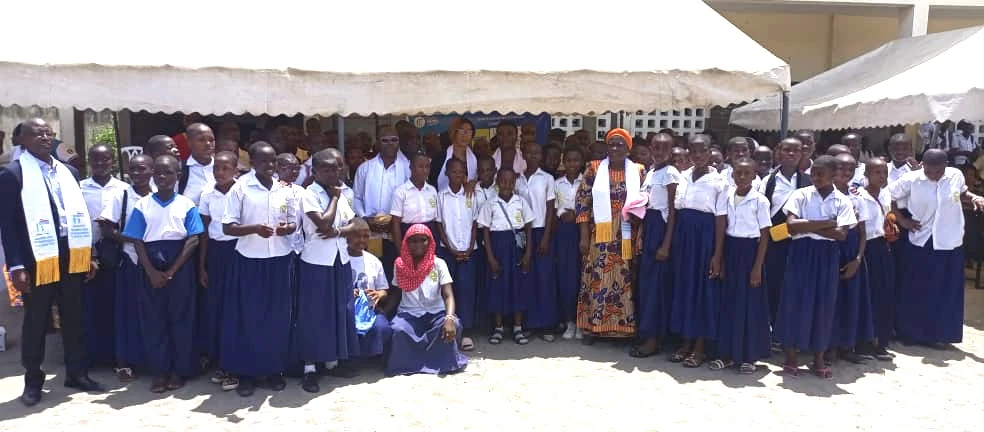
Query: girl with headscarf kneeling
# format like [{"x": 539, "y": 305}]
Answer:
[{"x": 426, "y": 332}]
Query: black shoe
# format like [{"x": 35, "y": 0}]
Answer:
[
  {"x": 247, "y": 385},
  {"x": 276, "y": 382},
  {"x": 31, "y": 396},
  {"x": 342, "y": 371},
  {"x": 310, "y": 383},
  {"x": 84, "y": 383}
]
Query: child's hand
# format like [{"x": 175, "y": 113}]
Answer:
[
  {"x": 450, "y": 330},
  {"x": 716, "y": 268},
  {"x": 755, "y": 279},
  {"x": 544, "y": 248},
  {"x": 584, "y": 246},
  {"x": 376, "y": 296},
  {"x": 158, "y": 279},
  {"x": 663, "y": 253},
  {"x": 203, "y": 278},
  {"x": 908, "y": 223},
  {"x": 850, "y": 269},
  {"x": 282, "y": 230},
  {"x": 264, "y": 231},
  {"x": 494, "y": 268},
  {"x": 524, "y": 264}
]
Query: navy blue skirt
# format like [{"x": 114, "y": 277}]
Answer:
[
  {"x": 655, "y": 291},
  {"x": 775, "y": 271},
  {"x": 566, "y": 244},
  {"x": 541, "y": 284},
  {"x": 376, "y": 341},
  {"x": 881, "y": 279},
  {"x": 506, "y": 294},
  {"x": 696, "y": 297},
  {"x": 481, "y": 286},
  {"x": 324, "y": 328},
  {"x": 256, "y": 317},
  {"x": 743, "y": 335},
  {"x": 129, "y": 348},
  {"x": 931, "y": 296},
  {"x": 99, "y": 302},
  {"x": 852, "y": 313},
  {"x": 221, "y": 262},
  {"x": 167, "y": 315},
  {"x": 418, "y": 346},
  {"x": 809, "y": 293},
  {"x": 465, "y": 275}
]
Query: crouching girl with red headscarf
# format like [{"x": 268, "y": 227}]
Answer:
[{"x": 426, "y": 332}]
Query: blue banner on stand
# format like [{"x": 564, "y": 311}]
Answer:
[{"x": 484, "y": 123}]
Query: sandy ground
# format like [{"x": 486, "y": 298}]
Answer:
[{"x": 543, "y": 386}]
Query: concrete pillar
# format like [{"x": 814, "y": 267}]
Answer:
[{"x": 913, "y": 20}]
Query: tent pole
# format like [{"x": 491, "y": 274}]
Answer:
[
  {"x": 784, "y": 116},
  {"x": 340, "y": 128},
  {"x": 119, "y": 144}
]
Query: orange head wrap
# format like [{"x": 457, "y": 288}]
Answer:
[{"x": 619, "y": 132}]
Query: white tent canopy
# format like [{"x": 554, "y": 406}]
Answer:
[
  {"x": 914, "y": 80},
  {"x": 362, "y": 57}
]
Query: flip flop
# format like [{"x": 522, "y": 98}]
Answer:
[
  {"x": 692, "y": 361},
  {"x": 822, "y": 372},
  {"x": 637, "y": 353},
  {"x": 678, "y": 357}
]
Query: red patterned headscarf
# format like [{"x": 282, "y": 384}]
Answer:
[
  {"x": 408, "y": 277},
  {"x": 619, "y": 132}
]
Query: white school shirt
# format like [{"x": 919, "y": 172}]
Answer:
[
  {"x": 213, "y": 204},
  {"x": 198, "y": 177},
  {"x": 427, "y": 298},
  {"x": 388, "y": 178},
  {"x": 319, "y": 251},
  {"x": 566, "y": 191},
  {"x": 747, "y": 215},
  {"x": 936, "y": 205},
  {"x": 484, "y": 195},
  {"x": 518, "y": 209},
  {"x": 708, "y": 194},
  {"x": 297, "y": 237},
  {"x": 518, "y": 165},
  {"x": 859, "y": 180},
  {"x": 471, "y": 164},
  {"x": 538, "y": 190},
  {"x": 456, "y": 213},
  {"x": 306, "y": 171},
  {"x": 367, "y": 272},
  {"x": 655, "y": 185},
  {"x": 895, "y": 174},
  {"x": 728, "y": 174},
  {"x": 95, "y": 196},
  {"x": 112, "y": 210},
  {"x": 873, "y": 211},
  {"x": 414, "y": 205},
  {"x": 155, "y": 220},
  {"x": 252, "y": 203},
  {"x": 806, "y": 203},
  {"x": 784, "y": 188}
]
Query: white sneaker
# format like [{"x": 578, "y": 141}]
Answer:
[
  {"x": 578, "y": 334},
  {"x": 569, "y": 333}
]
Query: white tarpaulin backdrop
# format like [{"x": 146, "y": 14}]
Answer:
[
  {"x": 328, "y": 57},
  {"x": 914, "y": 80}
]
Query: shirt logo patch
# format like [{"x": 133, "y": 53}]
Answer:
[
  {"x": 955, "y": 197},
  {"x": 433, "y": 202},
  {"x": 468, "y": 202},
  {"x": 519, "y": 217},
  {"x": 433, "y": 275}
]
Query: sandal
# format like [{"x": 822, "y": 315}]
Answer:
[
  {"x": 693, "y": 361},
  {"x": 175, "y": 382},
  {"x": 125, "y": 374},
  {"x": 883, "y": 355},
  {"x": 548, "y": 337},
  {"x": 822, "y": 372},
  {"x": 496, "y": 337},
  {"x": 719, "y": 364},
  {"x": 159, "y": 385},
  {"x": 790, "y": 370},
  {"x": 520, "y": 338},
  {"x": 637, "y": 352},
  {"x": 230, "y": 383},
  {"x": 746, "y": 368},
  {"x": 678, "y": 356},
  {"x": 467, "y": 344}
]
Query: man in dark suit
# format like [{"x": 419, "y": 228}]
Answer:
[{"x": 36, "y": 139}]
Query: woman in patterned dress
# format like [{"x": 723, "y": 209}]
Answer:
[{"x": 605, "y": 305}]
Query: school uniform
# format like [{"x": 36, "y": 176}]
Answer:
[
  {"x": 743, "y": 330},
  {"x": 456, "y": 213},
  {"x": 297, "y": 237},
  {"x": 373, "y": 189},
  {"x": 128, "y": 344},
  {"x": 728, "y": 174},
  {"x": 566, "y": 243},
  {"x": 99, "y": 294},
  {"x": 655, "y": 277},
  {"x": 777, "y": 188},
  {"x": 324, "y": 328},
  {"x": 198, "y": 176},
  {"x": 852, "y": 313},
  {"x": 167, "y": 315},
  {"x": 482, "y": 196},
  {"x": 809, "y": 291},
  {"x": 220, "y": 263},
  {"x": 418, "y": 328},
  {"x": 368, "y": 274},
  {"x": 880, "y": 264},
  {"x": 504, "y": 218},
  {"x": 307, "y": 170},
  {"x": 257, "y": 316},
  {"x": 902, "y": 244},
  {"x": 540, "y": 282},
  {"x": 696, "y": 298},
  {"x": 931, "y": 294},
  {"x": 414, "y": 206}
]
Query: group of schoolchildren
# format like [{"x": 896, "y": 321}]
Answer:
[{"x": 256, "y": 276}]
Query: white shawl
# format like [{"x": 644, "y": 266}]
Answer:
[
  {"x": 73, "y": 214},
  {"x": 601, "y": 205}
]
